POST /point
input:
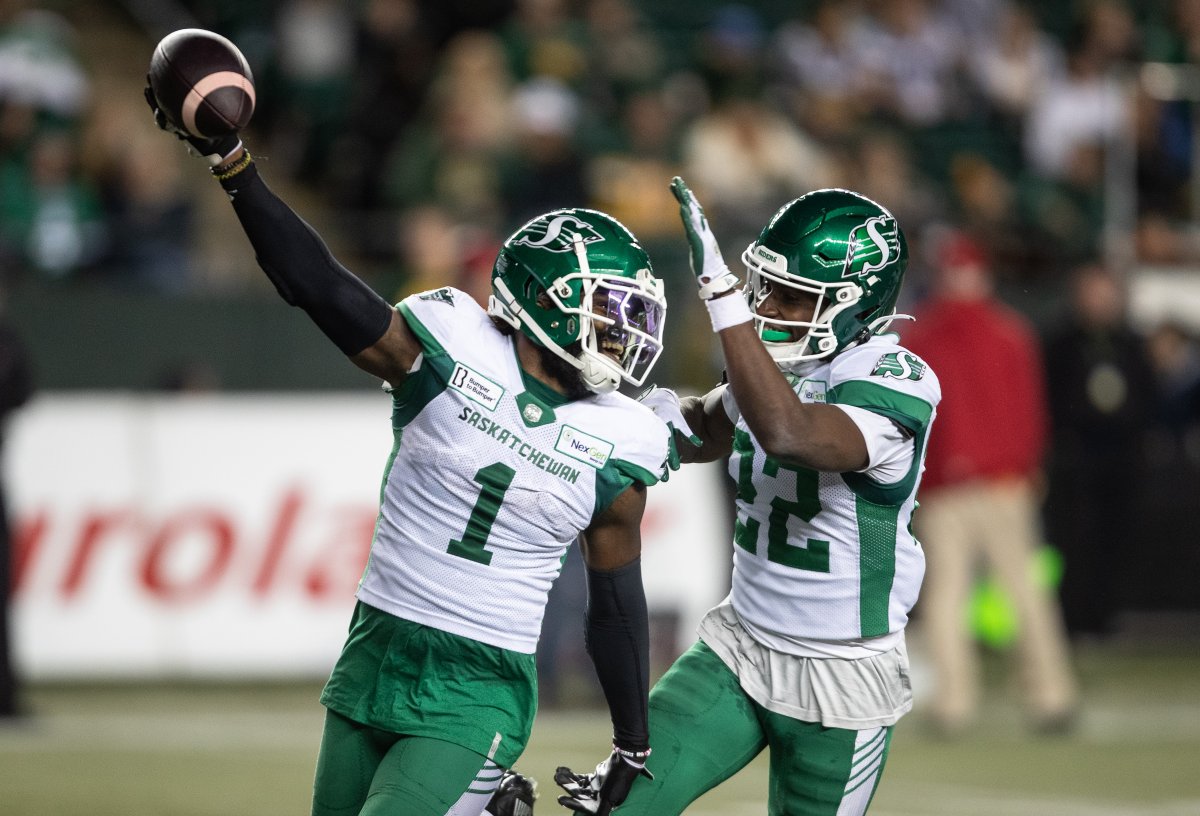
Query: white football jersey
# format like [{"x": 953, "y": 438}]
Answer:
[
  {"x": 492, "y": 476},
  {"x": 831, "y": 556}
]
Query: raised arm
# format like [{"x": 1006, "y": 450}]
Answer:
[
  {"x": 822, "y": 437},
  {"x": 295, "y": 258}
]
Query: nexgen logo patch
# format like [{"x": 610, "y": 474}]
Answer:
[
  {"x": 558, "y": 234},
  {"x": 585, "y": 448}
]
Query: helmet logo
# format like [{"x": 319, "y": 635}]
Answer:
[
  {"x": 558, "y": 234},
  {"x": 872, "y": 246}
]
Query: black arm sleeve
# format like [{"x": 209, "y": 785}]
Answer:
[
  {"x": 304, "y": 272},
  {"x": 618, "y": 640}
]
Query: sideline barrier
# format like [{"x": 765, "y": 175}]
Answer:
[{"x": 221, "y": 536}]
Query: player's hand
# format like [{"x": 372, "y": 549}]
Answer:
[
  {"x": 606, "y": 788},
  {"x": 215, "y": 151},
  {"x": 708, "y": 266},
  {"x": 665, "y": 404},
  {"x": 514, "y": 795}
]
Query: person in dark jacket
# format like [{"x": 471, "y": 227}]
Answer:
[
  {"x": 1101, "y": 385},
  {"x": 16, "y": 387}
]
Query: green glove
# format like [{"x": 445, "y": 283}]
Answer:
[{"x": 708, "y": 266}]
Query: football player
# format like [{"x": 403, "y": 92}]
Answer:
[
  {"x": 825, "y": 420},
  {"x": 510, "y": 442}
]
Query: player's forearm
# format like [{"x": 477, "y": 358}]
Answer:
[
  {"x": 303, "y": 270},
  {"x": 618, "y": 640},
  {"x": 817, "y": 436}
]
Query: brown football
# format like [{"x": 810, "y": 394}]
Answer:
[{"x": 202, "y": 83}]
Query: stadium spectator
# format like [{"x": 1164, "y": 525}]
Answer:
[
  {"x": 16, "y": 387},
  {"x": 624, "y": 55},
  {"x": 822, "y": 69},
  {"x": 450, "y": 156},
  {"x": 545, "y": 169},
  {"x": 543, "y": 39},
  {"x": 1101, "y": 384},
  {"x": 314, "y": 61},
  {"x": 826, "y": 420},
  {"x": 980, "y": 493},
  {"x": 1084, "y": 108},
  {"x": 39, "y": 69},
  {"x": 395, "y": 57},
  {"x": 1014, "y": 64},
  {"x": 626, "y": 180},
  {"x": 913, "y": 58},
  {"x": 511, "y": 442},
  {"x": 152, "y": 223},
  {"x": 51, "y": 218},
  {"x": 1175, "y": 354}
]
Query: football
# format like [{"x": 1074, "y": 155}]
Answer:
[{"x": 202, "y": 83}]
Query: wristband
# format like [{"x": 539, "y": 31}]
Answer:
[
  {"x": 226, "y": 172},
  {"x": 728, "y": 311},
  {"x": 637, "y": 758}
]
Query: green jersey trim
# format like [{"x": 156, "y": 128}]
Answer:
[
  {"x": 544, "y": 393},
  {"x": 911, "y": 412},
  {"x": 615, "y": 477},
  {"x": 423, "y": 385},
  {"x": 890, "y": 494},
  {"x": 876, "y": 563}
]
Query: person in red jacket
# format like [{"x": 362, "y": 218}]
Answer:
[{"x": 979, "y": 502}]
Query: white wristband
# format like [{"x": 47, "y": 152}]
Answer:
[{"x": 731, "y": 310}]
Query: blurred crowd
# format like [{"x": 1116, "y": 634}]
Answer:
[
  {"x": 434, "y": 128},
  {"x": 426, "y": 131}
]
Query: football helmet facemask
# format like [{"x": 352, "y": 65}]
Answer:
[
  {"x": 576, "y": 282},
  {"x": 840, "y": 246}
]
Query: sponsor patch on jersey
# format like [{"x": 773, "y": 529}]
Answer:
[
  {"x": 586, "y": 448},
  {"x": 476, "y": 387},
  {"x": 813, "y": 391},
  {"x": 900, "y": 365},
  {"x": 443, "y": 295}
]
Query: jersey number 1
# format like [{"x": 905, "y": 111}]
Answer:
[{"x": 495, "y": 480}]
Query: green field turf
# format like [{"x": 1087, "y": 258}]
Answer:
[{"x": 233, "y": 749}]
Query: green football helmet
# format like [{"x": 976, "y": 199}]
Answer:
[
  {"x": 577, "y": 282},
  {"x": 840, "y": 246}
]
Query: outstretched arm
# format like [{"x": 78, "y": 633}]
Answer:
[
  {"x": 291, "y": 253},
  {"x": 299, "y": 263}
]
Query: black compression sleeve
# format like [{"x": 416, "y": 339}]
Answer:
[
  {"x": 618, "y": 640},
  {"x": 304, "y": 272}
]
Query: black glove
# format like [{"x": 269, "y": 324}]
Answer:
[
  {"x": 514, "y": 796},
  {"x": 607, "y": 787},
  {"x": 215, "y": 151}
]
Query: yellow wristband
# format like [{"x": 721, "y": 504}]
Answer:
[{"x": 238, "y": 166}]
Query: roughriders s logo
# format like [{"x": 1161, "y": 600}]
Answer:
[
  {"x": 558, "y": 234},
  {"x": 899, "y": 365},
  {"x": 872, "y": 247}
]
